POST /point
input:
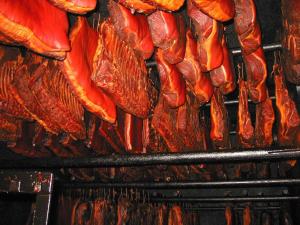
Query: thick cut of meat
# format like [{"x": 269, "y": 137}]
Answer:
[
  {"x": 219, "y": 132},
  {"x": 247, "y": 216},
  {"x": 175, "y": 216},
  {"x": 228, "y": 215},
  {"x": 133, "y": 29},
  {"x": 245, "y": 130},
  {"x": 133, "y": 134},
  {"x": 138, "y": 5},
  {"x": 99, "y": 211},
  {"x": 221, "y": 10},
  {"x": 289, "y": 120},
  {"x": 265, "y": 118},
  {"x": 171, "y": 81},
  {"x": 21, "y": 25},
  {"x": 209, "y": 39},
  {"x": 10, "y": 128},
  {"x": 78, "y": 67},
  {"x": 168, "y": 5},
  {"x": 75, "y": 6},
  {"x": 246, "y": 25},
  {"x": 291, "y": 69},
  {"x": 256, "y": 68},
  {"x": 121, "y": 73},
  {"x": 167, "y": 31},
  {"x": 223, "y": 76},
  {"x": 198, "y": 82}
]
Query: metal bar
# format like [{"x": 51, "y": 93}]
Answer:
[
  {"x": 236, "y": 101},
  {"x": 235, "y": 51},
  {"x": 187, "y": 158},
  {"x": 203, "y": 208},
  {"x": 178, "y": 185},
  {"x": 229, "y": 199}
]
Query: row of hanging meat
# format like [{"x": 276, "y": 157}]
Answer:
[
  {"x": 74, "y": 210},
  {"x": 103, "y": 71}
]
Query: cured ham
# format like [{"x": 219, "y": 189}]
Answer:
[
  {"x": 171, "y": 81},
  {"x": 121, "y": 73},
  {"x": 245, "y": 130},
  {"x": 221, "y": 10},
  {"x": 75, "y": 6},
  {"x": 289, "y": 120},
  {"x": 246, "y": 26},
  {"x": 78, "y": 68},
  {"x": 167, "y": 31},
  {"x": 256, "y": 69},
  {"x": 209, "y": 44},
  {"x": 219, "y": 131},
  {"x": 265, "y": 118},
  {"x": 138, "y": 5},
  {"x": 21, "y": 25},
  {"x": 133, "y": 29},
  {"x": 223, "y": 76},
  {"x": 197, "y": 82}
]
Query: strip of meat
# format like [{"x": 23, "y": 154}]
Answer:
[
  {"x": 246, "y": 25},
  {"x": 208, "y": 43},
  {"x": 99, "y": 212},
  {"x": 228, "y": 215},
  {"x": 197, "y": 82},
  {"x": 138, "y": 5},
  {"x": 133, "y": 29},
  {"x": 245, "y": 130},
  {"x": 256, "y": 68},
  {"x": 221, "y": 10},
  {"x": 175, "y": 216},
  {"x": 223, "y": 76},
  {"x": 122, "y": 211},
  {"x": 133, "y": 134},
  {"x": 265, "y": 118},
  {"x": 289, "y": 120},
  {"x": 171, "y": 81},
  {"x": 167, "y": 31},
  {"x": 21, "y": 23},
  {"x": 75, "y": 6},
  {"x": 219, "y": 132},
  {"x": 168, "y": 5},
  {"x": 161, "y": 216},
  {"x": 246, "y": 216},
  {"x": 78, "y": 67},
  {"x": 121, "y": 73}
]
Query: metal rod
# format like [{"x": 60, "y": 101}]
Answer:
[
  {"x": 178, "y": 185},
  {"x": 235, "y": 51},
  {"x": 266, "y": 208},
  {"x": 187, "y": 158},
  {"x": 229, "y": 199},
  {"x": 236, "y": 101}
]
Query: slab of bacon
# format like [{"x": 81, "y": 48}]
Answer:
[
  {"x": 75, "y": 6},
  {"x": 133, "y": 29},
  {"x": 197, "y": 82},
  {"x": 121, "y": 73},
  {"x": 167, "y": 31},
  {"x": 223, "y": 76},
  {"x": 172, "y": 84},
  {"x": 209, "y": 43},
  {"x": 289, "y": 120},
  {"x": 219, "y": 10},
  {"x": 219, "y": 132},
  {"x": 78, "y": 68},
  {"x": 20, "y": 24}
]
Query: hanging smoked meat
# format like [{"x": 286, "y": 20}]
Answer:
[
  {"x": 162, "y": 215},
  {"x": 219, "y": 132},
  {"x": 138, "y": 5},
  {"x": 172, "y": 84},
  {"x": 168, "y": 5},
  {"x": 223, "y": 76},
  {"x": 175, "y": 216},
  {"x": 99, "y": 211},
  {"x": 291, "y": 40},
  {"x": 265, "y": 118},
  {"x": 245, "y": 130},
  {"x": 228, "y": 215},
  {"x": 167, "y": 31},
  {"x": 133, "y": 133},
  {"x": 121, "y": 73},
  {"x": 247, "y": 216},
  {"x": 289, "y": 120},
  {"x": 256, "y": 68},
  {"x": 10, "y": 128},
  {"x": 209, "y": 43},
  {"x": 78, "y": 68},
  {"x": 20, "y": 24},
  {"x": 133, "y": 29},
  {"x": 123, "y": 211},
  {"x": 75, "y": 6},
  {"x": 197, "y": 82},
  {"x": 246, "y": 26},
  {"x": 218, "y": 10}
]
